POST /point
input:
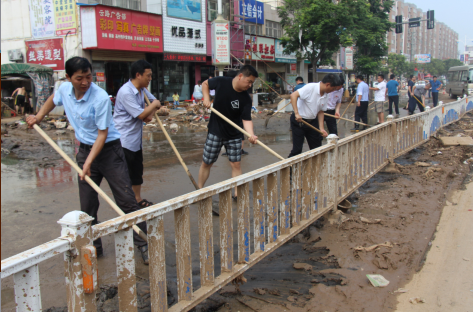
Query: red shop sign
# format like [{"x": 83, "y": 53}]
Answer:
[
  {"x": 47, "y": 52},
  {"x": 121, "y": 29},
  {"x": 184, "y": 57},
  {"x": 100, "y": 76}
]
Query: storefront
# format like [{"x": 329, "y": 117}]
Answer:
[
  {"x": 185, "y": 55},
  {"x": 118, "y": 37}
]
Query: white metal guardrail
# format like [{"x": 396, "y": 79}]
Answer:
[{"x": 321, "y": 178}]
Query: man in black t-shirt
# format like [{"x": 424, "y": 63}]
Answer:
[{"x": 232, "y": 101}]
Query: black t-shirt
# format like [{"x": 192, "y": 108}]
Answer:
[
  {"x": 236, "y": 106},
  {"x": 410, "y": 83}
]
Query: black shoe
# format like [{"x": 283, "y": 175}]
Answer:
[
  {"x": 224, "y": 154},
  {"x": 243, "y": 152},
  {"x": 144, "y": 253}
]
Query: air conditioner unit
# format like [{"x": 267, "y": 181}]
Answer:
[{"x": 15, "y": 55}]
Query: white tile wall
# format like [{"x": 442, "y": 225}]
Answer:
[{"x": 184, "y": 45}]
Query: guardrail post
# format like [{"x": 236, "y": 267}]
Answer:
[
  {"x": 334, "y": 169},
  {"x": 392, "y": 141},
  {"x": 27, "y": 289},
  {"x": 78, "y": 224}
]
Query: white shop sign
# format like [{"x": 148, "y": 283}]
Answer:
[{"x": 220, "y": 43}]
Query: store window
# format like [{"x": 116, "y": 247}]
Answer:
[
  {"x": 253, "y": 29},
  {"x": 176, "y": 78},
  {"x": 273, "y": 29},
  {"x": 212, "y": 10}
]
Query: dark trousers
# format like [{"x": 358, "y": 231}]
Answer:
[
  {"x": 331, "y": 122},
  {"x": 393, "y": 99},
  {"x": 301, "y": 131},
  {"x": 111, "y": 165},
  {"x": 435, "y": 98},
  {"x": 412, "y": 104},
  {"x": 361, "y": 112}
]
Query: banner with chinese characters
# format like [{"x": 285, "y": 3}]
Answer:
[
  {"x": 253, "y": 11},
  {"x": 42, "y": 18},
  {"x": 281, "y": 57},
  {"x": 47, "y": 52},
  {"x": 65, "y": 16},
  {"x": 113, "y": 28},
  {"x": 349, "y": 58},
  {"x": 220, "y": 43},
  {"x": 263, "y": 49}
]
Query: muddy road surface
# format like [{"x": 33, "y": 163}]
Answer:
[{"x": 38, "y": 188}]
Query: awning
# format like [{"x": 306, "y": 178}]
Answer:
[{"x": 23, "y": 69}]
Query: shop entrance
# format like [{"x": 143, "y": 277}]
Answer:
[{"x": 117, "y": 74}]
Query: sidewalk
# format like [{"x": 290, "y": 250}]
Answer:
[{"x": 445, "y": 281}]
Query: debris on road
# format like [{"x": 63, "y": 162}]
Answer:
[
  {"x": 416, "y": 300},
  {"x": 377, "y": 280},
  {"x": 374, "y": 247}
]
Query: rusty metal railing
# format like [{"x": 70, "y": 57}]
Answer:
[{"x": 281, "y": 207}]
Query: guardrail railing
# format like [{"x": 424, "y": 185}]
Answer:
[{"x": 287, "y": 197}]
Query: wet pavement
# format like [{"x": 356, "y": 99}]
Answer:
[{"x": 39, "y": 188}]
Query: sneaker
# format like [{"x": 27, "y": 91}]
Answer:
[
  {"x": 224, "y": 154},
  {"x": 243, "y": 152},
  {"x": 144, "y": 253}
]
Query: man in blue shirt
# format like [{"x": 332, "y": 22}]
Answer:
[
  {"x": 393, "y": 94},
  {"x": 361, "y": 111},
  {"x": 100, "y": 155},
  {"x": 436, "y": 86},
  {"x": 130, "y": 113},
  {"x": 299, "y": 84}
]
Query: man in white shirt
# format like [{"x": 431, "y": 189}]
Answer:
[
  {"x": 309, "y": 104},
  {"x": 380, "y": 97},
  {"x": 333, "y": 107}
]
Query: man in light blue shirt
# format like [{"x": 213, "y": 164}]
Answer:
[
  {"x": 436, "y": 86},
  {"x": 100, "y": 155},
  {"x": 361, "y": 111},
  {"x": 130, "y": 113}
]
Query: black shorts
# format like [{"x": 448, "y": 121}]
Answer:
[
  {"x": 20, "y": 100},
  {"x": 134, "y": 161}
]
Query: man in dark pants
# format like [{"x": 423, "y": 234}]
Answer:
[
  {"x": 418, "y": 97},
  {"x": 309, "y": 104},
  {"x": 361, "y": 111},
  {"x": 392, "y": 89},
  {"x": 410, "y": 91},
  {"x": 436, "y": 86},
  {"x": 89, "y": 111}
]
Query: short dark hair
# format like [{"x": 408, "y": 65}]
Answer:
[
  {"x": 200, "y": 81},
  {"x": 139, "y": 67},
  {"x": 232, "y": 73},
  {"x": 360, "y": 77},
  {"x": 76, "y": 64},
  {"x": 248, "y": 70},
  {"x": 392, "y": 76},
  {"x": 411, "y": 76},
  {"x": 381, "y": 75},
  {"x": 333, "y": 79},
  {"x": 342, "y": 79},
  {"x": 299, "y": 79},
  {"x": 435, "y": 77}
]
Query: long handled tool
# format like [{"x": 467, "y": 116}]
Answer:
[
  {"x": 88, "y": 179},
  {"x": 267, "y": 119},
  {"x": 173, "y": 146},
  {"x": 245, "y": 133},
  {"x": 415, "y": 97},
  {"x": 309, "y": 125},
  {"x": 357, "y": 122},
  {"x": 347, "y": 107}
]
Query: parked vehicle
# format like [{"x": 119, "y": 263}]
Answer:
[{"x": 460, "y": 81}]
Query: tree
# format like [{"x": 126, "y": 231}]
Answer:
[
  {"x": 398, "y": 64},
  {"x": 450, "y": 63},
  {"x": 315, "y": 29},
  {"x": 372, "y": 23},
  {"x": 436, "y": 67}
]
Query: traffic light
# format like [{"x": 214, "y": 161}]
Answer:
[
  {"x": 399, "y": 24},
  {"x": 430, "y": 19}
]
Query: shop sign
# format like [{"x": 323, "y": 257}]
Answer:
[
  {"x": 184, "y": 31},
  {"x": 249, "y": 46},
  {"x": 47, "y": 52},
  {"x": 185, "y": 57},
  {"x": 349, "y": 58},
  {"x": 42, "y": 18},
  {"x": 281, "y": 57},
  {"x": 263, "y": 49},
  {"x": 113, "y": 28},
  {"x": 65, "y": 13},
  {"x": 252, "y": 10},
  {"x": 293, "y": 68},
  {"x": 220, "y": 44},
  {"x": 100, "y": 76}
]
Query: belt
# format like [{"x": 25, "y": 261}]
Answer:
[{"x": 108, "y": 144}]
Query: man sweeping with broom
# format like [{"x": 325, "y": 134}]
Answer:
[
  {"x": 232, "y": 101},
  {"x": 100, "y": 155}
]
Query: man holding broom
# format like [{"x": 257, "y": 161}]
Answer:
[
  {"x": 231, "y": 100},
  {"x": 418, "y": 97},
  {"x": 100, "y": 155}
]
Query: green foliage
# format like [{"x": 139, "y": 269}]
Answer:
[
  {"x": 450, "y": 63},
  {"x": 436, "y": 67},
  {"x": 315, "y": 29},
  {"x": 369, "y": 33},
  {"x": 398, "y": 64}
]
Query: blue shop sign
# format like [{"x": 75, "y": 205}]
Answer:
[{"x": 253, "y": 11}]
